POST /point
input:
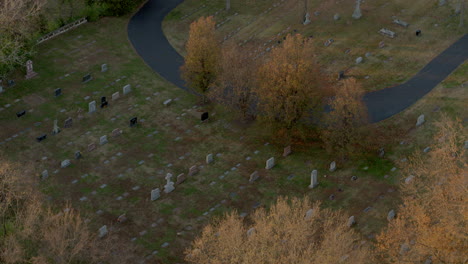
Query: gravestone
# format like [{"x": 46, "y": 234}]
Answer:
[
  {"x": 381, "y": 152},
  {"x": 29, "y": 70},
  {"x": 409, "y": 179},
  {"x": 391, "y": 215},
  {"x": 11, "y": 83},
  {"x": 56, "y": 129},
  {"x": 287, "y": 151},
  {"x": 357, "y": 11},
  {"x": 358, "y": 60},
  {"x": 250, "y": 231},
  {"x": 401, "y": 23},
  {"x": 65, "y": 163},
  {"x": 68, "y": 123},
  {"x": 103, "y": 231},
  {"x": 209, "y": 158},
  {"x": 309, "y": 214},
  {"x": 41, "y": 138},
  {"x": 307, "y": 19},
  {"x": 115, "y": 96},
  {"x": 133, "y": 122},
  {"x": 104, "y": 102},
  {"x": 270, "y": 163},
  {"x": 103, "y": 140},
  {"x": 333, "y": 166},
  {"x": 180, "y": 178},
  {"x": 204, "y": 116},
  {"x": 313, "y": 179},
  {"x": 91, "y": 147},
  {"x": 466, "y": 144},
  {"x": 328, "y": 42},
  {"x": 87, "y": 78},
  {"x": 387, "y": 33},
  {"x": 442, "y": 2},
  {"x": 44, "y": 175},
  {"x": 336, "y": 17},
  {"x": 353, "y": 178},
  {"x": 122, "y": 219},
  {"x": 58, "y": 92},
  {"x": 155, "y": 194},
  {"x": 167, "y": 102},
  {"x": 193, "y": 170},
  {"x": 418, "y": 33},
  {"x": 381, "y": 44},
  {"x": 116, "y": 132},
  {"x": 351, "y": 221},
  {"x": 1, "y": 88},
  {"x": 103, "y": 67},
  {"x": 420, "y": 120},
  {"x": 169, "y": 187},
  {"x": 92, "y": 107},
  {"x": 78, "y": 155},
  {"x": 254, "y": 176},
  {"x": 20, "y": 114},
  {"x": 126, "y": 89},
  {"x": 341, "y": 75}
]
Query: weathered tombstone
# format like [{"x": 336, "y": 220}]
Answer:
[
  {"x": 87, "y": 78},
  {"x": 309, "y": 214},
  {"x": 357, "y": 11},
  {"x": 103, "y": 67},
  {"x": 341, "y": 75},
  {"x": 1, "y": 88},
  {"x": 116, "y": 132},
  {"x": 401, "y": 23},
  {"x": 103, "y": 231},
  {"x": 193, "y": 170},
  {"x": 56, "y": 129},
  {"x": 404, "y": 249},
  {"x": 418, "y": 33},
  {"x": 381, "y": 44},
  {"x": 58, "y": 92},
  {"x": 351, "y": 221},
  {"x": 466, "y": 144},
  {"x": 133, "y": 122},
  {"x": 29, "y": 70},
  {"x": 20, "y": 114},
  {"x": 104, "y": 102},
  {"x": 65, "y": 163},
  {"x": 427, "y": 149},
  {"x": 313, "y": 179},
  {"x": 68, "y": 123},
  {"x": 387, "y": 33},
  {"x": 204, "y": 116},
  {"x": 40, "y": 138},
  {"x": 11, "y": 83},
  {"x": 409, "y": 179},
  {"x": 442, "y": 2},
  {"x": 358, "y": 60},
  {"x": 306, "y": 19},
  {"x": 169, "y": 187},
  {"x": 78, "y": 155},
  {"x": 167, "y": 102},
  {"x": 44, "y": 175},
  {"x": 328, "y": 42},
  {"x": 115, "y": 96},
  {"x": 155, "y": 194},
  {"x": 420, "y": 120},
  {"x": 180, "y": 178},
  {"x": 333, "y": 166},
  {"x": 126, "y": 89},
  {"x": 209, "y": 158},
  {"x": 354, "y": 178},
  {"x": 381, "y": 152},
  {"x": 103, "y": 140},
  {"x": 336, "y": 17},
  {"x": 254, "y": 176},
  {"x": 91, "y": 147},
  {"x": 287, "y": 151},
  {"x": 270, "y": 163},
  {"x": 92, "y": 107},
  {"x": 391, "y": 215},
  {"x": 122, "y": 219}
]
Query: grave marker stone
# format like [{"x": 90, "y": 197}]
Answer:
[
  {"x": 41, "y": 138},
  {"x": 65, "y": 163},
  {"x": 420, "y": 120},
  {"x": 333, "y": 166},
  {"x": 126, "y": 89},
  {"x": 270, "y": 163},
  {"x": 209, "y": 158},
  {"x": 92, "y": 107},
  {"x": 387, "y": 33},
  {"x": 56, "y": 129},
  {"x": 358, "y": 60},
  {"x": 78, "y": 155},
  {"x": 91, "y": 147},
  {"x": 104, "y": 102},
  {"x": 87, "y": 78},
  {"x": 401, "y": 23},
  {"x": 115, "y": 96},
  {"x": 11, "y": 83},
  {"x": 68, "y": 123},
  {"x": 336, "y": 17},
  {"x": 381, "y": 44},
  {"x": 309, "y": 214},
  {"x": 103, "y": 140},
  {"x": 133, "y": 122},
  {"x": 254, "y": 176},
  {"x": 409, "y": 179},
  {"x": 103, "y": 231},
  {"x": 116, "y": 132},
  {"x": 418, "y": 33},
  {"x": 44, "y": 175},
  {"x": 341, "y": 75},
  {"x": 287, "y": 151},
  {"x": 328, "y": 42},
  {"x": 307, "y": 19},
  {"x": 351, "y": 221},
  {"x": 167, "y": 102},
  {"x": 155, "y": 194},
  {"x": 357, "y": 11},
  {"x": 391, "y": 215},
  {"x": 313, "y": 179},
  {"x": 103, "y": 67},
  {"x": 29, "y": 70},
  {"x": 204, "y": 116},
  {"x": 20, "y": 114},
  {"x": 169, "y": 187},
  {"x": 58, "y": 92},
  {"x": 180, "y": 178},
  {"x": 193, "y": 170}
]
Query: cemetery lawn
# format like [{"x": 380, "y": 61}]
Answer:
[
  {"x": 117, "y": 177},
  {"x": 401, "y": 58}
]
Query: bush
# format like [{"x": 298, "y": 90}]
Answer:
[
  {"x": 93, "y": 12},
  {"x": 115, "y": 7}
]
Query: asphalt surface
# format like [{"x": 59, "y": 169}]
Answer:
[{"x": 146, "y": 35}]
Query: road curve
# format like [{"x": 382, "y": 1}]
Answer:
[{"x": 146, "y": 35}]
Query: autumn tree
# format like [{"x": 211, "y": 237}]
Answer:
[
  {"x": 202, "y": 59},
  {"x": 289, "y": 82},
  {"x": 236, "y": 79},
  {"x": 292, "y": 231},
  {"x": 431, "y": 222},
  {"x": 343, "y": 125}
]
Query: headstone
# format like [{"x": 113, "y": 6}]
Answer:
[
  {"x": 270, "y": 163},
  {"x": 401, "y": 23},
  {"x": 328, "y": 42},
  {"x": 409, "y": 179},
  {"x": 287, "y": 151},
  {"x": 351, "y": 221},
  {"x": 341, "y": 75},
  {"x": 354, "y": 178},
  {"x": 193, "y": 170},
  {"x": 29, "y": 70},
  {"x": 167, "y": 102},
  {"x": 313, "y": 179},
  {"x": 254, "y": 176},
  {"x": 442, "y": 2},
  {"x": 209, "y": 158},
  {"x": 204, "y": 116},
  {"x": 115, "y": 96},
  {"x": 309, "y": 214},
  {"x": 20, "y": 114},
  {"x": 40, "y": 138},
  {"x": 357, "y": 11},
  {"x": 1, "y": 88},
  {"x": 180, "y": 178},
  {"x": 404, "y": 248},
  {"x": 103, "y": 67},
  {"x": 103, "y": 231},
  {"x": 381, "y": 44},
  {"x": 333, "y": 166},
  {"x": 420, "y": 120},
  {"x": 126, "y": 89},
  {"x": 68, "y": 123},
  {"x": 391, "y": 215},
  {"x": 381, "y": 152},
  {"x": 155, "y": 194},
  {"x": 427, "y": 149},
  {"x": 78, "y": 155},
  {"x": 87, "y": 78},
  {"x": 65, "y": 163},
  {"x": 133, "y": 122},
  {"x": 387, "y": 33},
  {"x": 418, "y": 33},
  {"x": 44, "y": 175},
  {"x": 336, "y": 17},
  {"x": 91, "y": 147},
  {"x": 116, "y": 132},
  {"x": 307, "y": 19},
  {"x": 103, "y": 140},
  {"x": 92, "y": 107},
  {"x": 56, "y": 129},
  {"x": 169, "y": 187},
  {"x": 250, "y": 231},
  {"x": 104, "y": 102},
  {"x": 58, "y": 92},
  {"x": 358, "y": 60},
  {"x": 11, "y": 83},
  {"x": 122, "y": 219},
  {"x": 466, "y": 144}
]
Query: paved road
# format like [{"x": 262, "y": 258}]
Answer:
[{"x": 145, "y": 33}]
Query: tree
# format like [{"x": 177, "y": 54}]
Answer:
[
  {"x": 289, "y": 82},
  {"x": 431, "y": 222},
  {"x": 202, "y": 59},
  {"x": 292, "y": 231},
  {"x": 343, "y": 125}
]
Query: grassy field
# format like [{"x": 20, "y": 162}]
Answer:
[{"x": 118, "y": 177}]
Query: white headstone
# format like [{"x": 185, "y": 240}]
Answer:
[
  {"x": 307, "y": 19},
  {"x": 270, "y": 163},
  {"x": 92, "y": 107},
  {"x": 65, "y": 163},
  {"x": 44, "y": 175},
  {"x": 420, "y": 120},
  {"x": 336, "y": 17},
  {"x": 103, "y": 231},
  {"x": 103, "y": 67},
  {"x": 29, "y": 70},
  {"x": 409, "y": 179},
  {"x": 358, "y": 60},
  {"x": 103, "y": 140},
  {"x": 357, "y": 11},
  {"x": 313, "y": 179},
  {"x": 56, "y": 129},
  {"x": 126, "y": 89},
  {"x": 167, "y": 102},
  {"x": 391, "y": 215},
  {"x": 169, "y": 187},
  {"x": 254, "y": 176},
  {"x": 115, "y": 96},
  {"x": 209, "y": 158},
  {"x": 250, "y": 231},
  {"x": 333, "y": 166},
  {"x": 466, "y": 144},
  {"x": 351, "y": 221},
  {"x": 155, "y": 194},
  {"x": 309, "y": 214}
]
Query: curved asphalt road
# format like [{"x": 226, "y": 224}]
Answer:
[{"x": 145, "y": 33}]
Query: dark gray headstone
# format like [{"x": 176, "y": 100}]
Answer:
[
  {"x": 78, "y": 155},
  {"x": 204, "y": 116},
  {"x": 133, "y": 122},
  {"x": 11, "y": 83},
  {"x": 20, "y": 114},
  {"x": 418, "y": 33},
  {"x": 41, "y": 138},
  {"x": 87, "y": 78},
  {"x": 58, "y": 92},
  {"x": 68, "y": 123}
]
